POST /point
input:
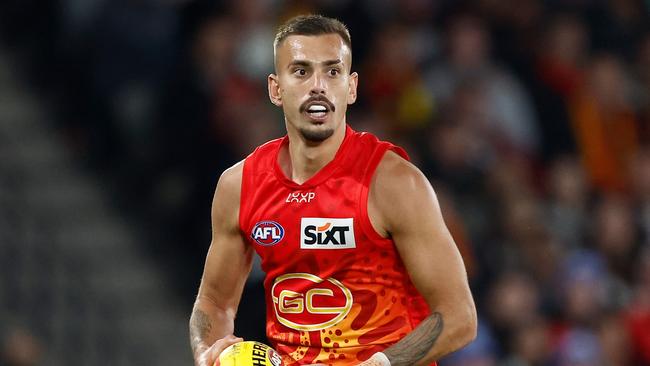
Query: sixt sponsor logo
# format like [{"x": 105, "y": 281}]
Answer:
[
  {"x": 267, "y": 233},
  {"x": 325, "y": 233},
  {"x": 306, "y": 302},
  {"x": 299, "y": 197}
]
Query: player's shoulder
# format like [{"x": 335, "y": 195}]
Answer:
[
  {"x": 396, "y": 188},
  {"x": 395, "y": 172},
  {"x": 225, "y": 204},
  {"x": 231, "y": 178},
  {"x": 266, "y": 149},
  {"x": 263, "y": 156}
]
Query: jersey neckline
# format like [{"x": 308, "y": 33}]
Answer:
[{"x": 320, "y": 176}]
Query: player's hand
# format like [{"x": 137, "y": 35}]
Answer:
[
  {"x": 364, "y": 363},
  {"x": 371, "y": 363},
  {"x": 378, "y": 359},
  {"x": 375, "y": 360},
  {"x": 210, "y": 357}
]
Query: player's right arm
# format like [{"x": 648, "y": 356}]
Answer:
[{"x": 227, "y": 266}]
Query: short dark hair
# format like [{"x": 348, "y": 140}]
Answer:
[{"x": 312, "y": 25}]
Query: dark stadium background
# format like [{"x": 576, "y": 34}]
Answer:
[{"x": 530, "y": 117}]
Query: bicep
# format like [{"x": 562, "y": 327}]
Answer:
[
  {"x": 430, "y": 254},
  {"x": 415, "y": 222},
  {"x": 229, "y": 257},
  {"x": 227, "y": 266}
]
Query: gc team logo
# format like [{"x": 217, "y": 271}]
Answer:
[
  {"x": 267, "y": 233},
  {"x": 306, "y": 302}
]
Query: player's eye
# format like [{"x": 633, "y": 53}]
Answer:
[
  {"x": 334, "y": 72},
  {"x": 300, "y": 72}
]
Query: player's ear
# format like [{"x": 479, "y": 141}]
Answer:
[
  {"x": 353, "y": 82},
  {"x": 274, "y": 90}
]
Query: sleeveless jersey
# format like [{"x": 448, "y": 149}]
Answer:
[{"x": 336, "y": 291}]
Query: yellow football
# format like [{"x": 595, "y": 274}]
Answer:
[{"x": 250, "y": 353}]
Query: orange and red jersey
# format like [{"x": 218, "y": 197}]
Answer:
[{"x": 336, "y": 291}]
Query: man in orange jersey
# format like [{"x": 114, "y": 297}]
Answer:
[{"x": 360, "y": 267}]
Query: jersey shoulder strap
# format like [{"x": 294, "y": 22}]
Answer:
[{"x": 257, "y": 165}]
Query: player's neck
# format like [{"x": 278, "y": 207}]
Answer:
[{"x": 303, "y": 160}]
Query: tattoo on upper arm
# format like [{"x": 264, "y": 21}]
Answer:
[
  {"x": 416, "y": 344},
  {"x": 200, "y": 327}
]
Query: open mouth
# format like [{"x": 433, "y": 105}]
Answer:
[{"x": 317, "y": 111}]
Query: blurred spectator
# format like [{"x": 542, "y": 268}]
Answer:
[
  {"x": 638, "y": 314},
  {"x": 642, "y": 78},
  {"x": 530, "y": 345},
  {"x": 254, "y": 56},
  {"x": 604, "y": 124},
  {"x": 508, "y": 120},
  {"x": 513, "y": 302},
  {"x": 185, "y": 144},
  {"x": 640, "y": 172},
  {"x": 564, "y": 51},
  {"x": 568, "y": 199},
  {"x": 583, "y": 291},
  {"x": 617, "y": 24},
  {"x": 243, "y": 114},
  {"x": 457, "y": 229},
  {"x": 614, "y": 340},
  {"x": 579, "y": 347},
  {"x": 459, "y": 154},
  {"x": 20, "y": 348},
  {"x": 560, "y": 56},
  {"x": 615, "y": 235},
  {"x": 392, "y": 85},
  {"x": 481, "y": 352}
]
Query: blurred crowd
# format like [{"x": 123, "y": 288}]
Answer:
[{"x": 530, "y": 117}]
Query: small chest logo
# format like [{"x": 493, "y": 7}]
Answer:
[
  {"x": 324, "y": 233},
  {"x": 267, "y": 233},
  {"x": 300, "y": 197}
]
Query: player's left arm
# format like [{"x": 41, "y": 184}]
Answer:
[{"x": 403, "y": 205}]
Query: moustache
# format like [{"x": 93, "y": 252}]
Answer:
[{"x": 318, "y": 98}]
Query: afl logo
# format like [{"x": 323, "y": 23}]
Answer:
[
  {"x": 306, "y": 302},
  {"x": 267, "y": 233}
]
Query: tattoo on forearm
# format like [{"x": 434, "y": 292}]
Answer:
[
  {"x": 200, "y": 327},
  {"x": 416, "y": 344}
]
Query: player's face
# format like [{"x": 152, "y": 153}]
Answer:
[{"x": 313, "y": 84}]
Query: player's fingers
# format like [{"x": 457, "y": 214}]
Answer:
[{"x": 220, "y": 345}]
